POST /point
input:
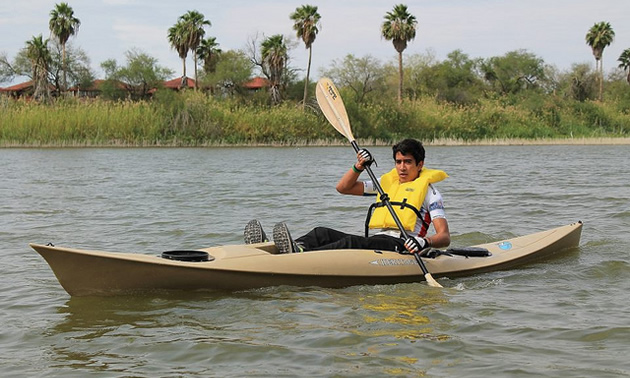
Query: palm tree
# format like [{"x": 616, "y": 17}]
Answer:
[
  {"x": 624, "y": 62},
  {"x": 178, "y": 43},
  {"x": 306, "y": 21},
  {"x": 193, "y": 32},
  {"x": 38, "y": 54},
  {"x": 599, "y": 37},
  {"x": 208, "y": 52},
  {"x": 62, "y": 26},
  {"x": 274, "y": 57},
  {"x": 399, "y": 27}
]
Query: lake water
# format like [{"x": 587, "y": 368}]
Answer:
[{"x": 565, "y": 317}]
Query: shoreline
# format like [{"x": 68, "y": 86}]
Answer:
[
  {"x": 534, "y": 142},
  {"x": 441, "y": 142}
]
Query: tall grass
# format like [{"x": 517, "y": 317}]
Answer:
[
  {"x": 79, "y": 122},
  {"x": 547, "y": 117},
  {"x": 193, "y": 118}
]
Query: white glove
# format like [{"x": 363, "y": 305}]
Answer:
[
  {"x": 415, "y": 245},
  {"x": 365, "y": 157}
]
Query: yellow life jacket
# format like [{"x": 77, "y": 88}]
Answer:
[{"x": 410, "y": 193}]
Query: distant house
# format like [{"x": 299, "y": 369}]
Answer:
[
  {"x": 252, "y": 85},
  {"x": 256, "y": 83},
  {"x": 25, "y": 89},
  {"x": 176, "y": 84},
  {"x": 93, "y": 90}
]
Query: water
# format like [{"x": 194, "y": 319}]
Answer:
[{"x": 565, "y": 317}]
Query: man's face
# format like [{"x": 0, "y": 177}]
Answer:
[{"x": 407, "y": 168}]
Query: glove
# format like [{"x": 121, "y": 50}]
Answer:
[
  {"x": 416, "y": 245},
  {"x": 365, "y": 158}
]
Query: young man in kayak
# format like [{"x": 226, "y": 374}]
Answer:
[{"x": 410, "y": 188}]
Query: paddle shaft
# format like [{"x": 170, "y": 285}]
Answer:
[{"x": 387, "y": 203}]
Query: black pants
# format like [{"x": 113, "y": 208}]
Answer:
[{"x": 321, "y": 238}]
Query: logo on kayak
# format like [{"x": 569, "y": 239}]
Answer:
[
  {"x": 393, "y": 262},
  {"x": 505, "y": 245}
]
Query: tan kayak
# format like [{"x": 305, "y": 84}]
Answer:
[{"x": 239, "y": 267}]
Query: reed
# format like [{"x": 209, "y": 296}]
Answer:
[
  {"x": 195, "y": 119},
  {"x": 76, "y": 122},
  {"x": 550, "y": 117}
]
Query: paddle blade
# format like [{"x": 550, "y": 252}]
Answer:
[
  {"x": 431, "y": 281},
  {"x": 332, "y": 106}
]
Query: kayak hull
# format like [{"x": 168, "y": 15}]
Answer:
[{"x": 241, "y": 267}]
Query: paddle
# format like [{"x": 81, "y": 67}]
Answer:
[{"x": 331, "y": 104}]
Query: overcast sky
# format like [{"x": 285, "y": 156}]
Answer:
[{"x": 552, "y": 29}]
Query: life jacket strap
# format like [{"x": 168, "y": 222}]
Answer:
[{"x": 402, "y": 205}]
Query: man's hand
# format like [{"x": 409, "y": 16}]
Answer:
[
  {"x": 365, "y": 158},
  {"x": 415, "y": 245}
]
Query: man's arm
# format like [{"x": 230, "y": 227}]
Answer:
[
  {"x": 442, "y": 237},
  {"x": 349, "y": 184}
]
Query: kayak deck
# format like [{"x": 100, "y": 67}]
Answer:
[{"x": 240, "y": 267}]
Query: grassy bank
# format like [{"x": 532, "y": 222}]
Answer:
[{"x": 194, "y": 119}]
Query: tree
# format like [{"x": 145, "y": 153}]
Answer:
[
  {"x": 231, "y": 70},
  {"x": 75, "y": 70},
  {"x": 193, "y": 32},
  {"x": 39, "y": 56},
  {"x": 581, "y": 82},
  {"x": 361, "y": 75},
  {"x": 208, "y": 52},
  {"x": 20, "y": 66},
  {"x": 62, "y": 26},
  {"x": 306, "y": 21},
  {"x": 177, "y": 39},
  {"x": 112, "y": 88},
  {"x": 400, "y": 28},
  {"x": 274, "y": 58},
  {"x": 140, "y": 75},
  {"x": 624, "y": 63},
  {"x": 77, "y": 65},
  {"x": 7, "y": 71},
  {"x": 515, "y": 71},
  {"x": 417, "y": 74},
  {"x": 598, "y": 38},
  {"x": 454, "y": 80}
]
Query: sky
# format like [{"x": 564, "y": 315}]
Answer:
[{"x": 553, "y": 30}]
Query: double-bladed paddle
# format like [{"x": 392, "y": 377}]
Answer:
[{"x": 332, "y": 106}]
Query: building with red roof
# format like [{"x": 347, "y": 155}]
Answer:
[
  {"x": 19, "y": 90},
  {"x": 26, "y": 89},
  {"x": 257, "y": 83},
  {"x": 93, "y": 90},
  {"x": 177, "y": 83}
]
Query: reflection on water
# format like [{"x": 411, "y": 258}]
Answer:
[
  {"x": 340, "y": 325},
  {"x": 403, "y": 316}
]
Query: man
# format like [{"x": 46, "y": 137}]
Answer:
[{"x": 410, "y": 188}]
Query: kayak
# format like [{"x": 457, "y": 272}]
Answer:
[{"x": 249, "y": 266}]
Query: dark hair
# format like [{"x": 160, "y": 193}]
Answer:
[{"x": 410, "y": 147}]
